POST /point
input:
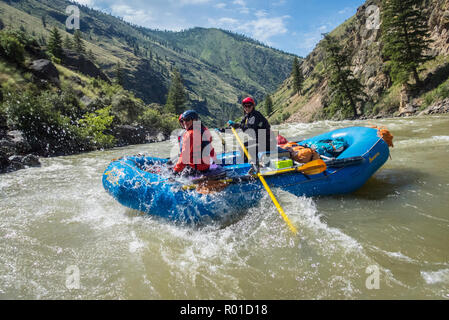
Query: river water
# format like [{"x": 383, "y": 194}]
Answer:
[{"x": 389, "y": 240}]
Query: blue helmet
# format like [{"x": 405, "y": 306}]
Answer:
[{"x": 190, "y": 115}]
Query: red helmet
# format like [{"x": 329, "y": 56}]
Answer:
[
  {"x": 180, "y": 118},
  {"x": 249, "y": 100}
]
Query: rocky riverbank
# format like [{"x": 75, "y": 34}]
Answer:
[{"x": 15, "y": 152}]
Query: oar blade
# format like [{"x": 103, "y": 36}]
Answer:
[{"x": 313, "y": 167}]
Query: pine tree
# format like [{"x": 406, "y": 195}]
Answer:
[
  {"x": 119, "y": 74},
  {"x": 68, "y": 43},
  {"x": 91, "y": 55},
  {"x": 268, "y": 105},
  {"x": 55, "y": 43},
  {"x": 78, "y": 42},
  {"x": 176, "y": 95},
  {"x": 405, "y": 36},
  {"x": 298, "y": 78},
  {"x": 44, "y": 21},
  {"x": 345, "y": 90}
]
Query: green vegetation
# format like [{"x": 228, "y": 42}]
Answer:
[
  {"x": 176, "y": 95},
  {"x": 55, "y": 43},
  {"x": 80, "y": 114},
  {"x": 78, "y": 44},
  {"x": 405, "y": 35},
  {"x": 298, "y": 78},
  {"x": 93, "y": 125},
  {"x": 346, "y": 90},
  {"x": 439, "y": 93},
  {"x": 268, "y": 105},
  {"x": 12, "y": 46}
]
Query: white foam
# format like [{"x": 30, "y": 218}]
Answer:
[
  {"x": 435, "y": 277},
  {"x": 442, "y": 138},
  {"x": 136, "y": 244},
  {"x": 399, "y": 256},
  {"x": 428, "y": 141}
]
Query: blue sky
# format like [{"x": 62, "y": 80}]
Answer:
[{"x": 291, "y": 25}]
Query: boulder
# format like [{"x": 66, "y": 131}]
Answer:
[
  {"x": 15, "y": 166},
  {"x": 161, "y": 137},
  {"x": 20, "y": 143},
  {"x": 86, "y": 101},
  {"x": 45, "y": 70},
  {"x": 7, "y": 147},
  {"x": 4, "y": 161},
  {"x": 438, "y": 108},
  {"x": 31, "y": 161},
  {"x": 80, "y": 63},
  {"x": 408, "y": 110}
]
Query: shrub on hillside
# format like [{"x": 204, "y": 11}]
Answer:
[
  {"x": 47, "y": 131},
  {"x": 153, "y": 120},
  {"x": 92, "y": 128},
  {"x": 126, "y": 108},
  {"x": 11, "y": 47}
]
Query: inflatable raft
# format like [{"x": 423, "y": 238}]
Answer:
[{"x": 140, "y": 182}]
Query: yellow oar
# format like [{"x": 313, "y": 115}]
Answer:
[
  {"x": 264, "y": 183},
  {"x": 310, "y": 169}
]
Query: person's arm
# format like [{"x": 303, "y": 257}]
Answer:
[
  {"x": 233, "y": 124},
  {"x": 243, "y": 124},
  {"x": 180, "y": 165},
  {"x": 262, "y": 122}
]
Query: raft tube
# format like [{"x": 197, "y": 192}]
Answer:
[{"x": 158, "y": 195}]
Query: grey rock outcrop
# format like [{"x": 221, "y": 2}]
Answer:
[
  {"x": 44, "y": 69},
  {"x": 14, "y": 153},
  {"x": 438, "y": 108},
  {"x": 80, "y": 63}
]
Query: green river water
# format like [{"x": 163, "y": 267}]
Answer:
[{"x": 58, "y": 218}]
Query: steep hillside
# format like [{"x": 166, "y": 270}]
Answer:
[
  {"x": 218, "y": 67},
  {"x": 369, "y": 66}
]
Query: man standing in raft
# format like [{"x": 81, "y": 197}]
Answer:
[
  {"x": 257, "y": 127},
  {"x": 197, "y": 153}
]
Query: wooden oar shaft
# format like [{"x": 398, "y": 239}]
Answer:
[{"x": 278, "y": 206}]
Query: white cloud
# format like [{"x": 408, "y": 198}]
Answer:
[
  {"x": 190, "y": 2},
  {"x": 243, "y": 8},
  {"x": 279, "y": 3},
  {"x": 136, "y": 16},
  {"x": 239, "y": 3},
  {"x": 261, "y": 13},
  {"x": 220, "y": 5},
  {"x": 262, "y": 28},
  {"x": 89, "y": 3},
  {"x": 346, "y": 10},
  {"x": 225, "y": 22}
]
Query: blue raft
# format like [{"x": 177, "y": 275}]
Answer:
[{"x": 136, "y": 183}]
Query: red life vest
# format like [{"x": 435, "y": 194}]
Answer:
[{"x": 195, "y": 152}]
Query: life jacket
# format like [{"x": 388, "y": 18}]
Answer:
[{"x": 196, "y": 151}]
